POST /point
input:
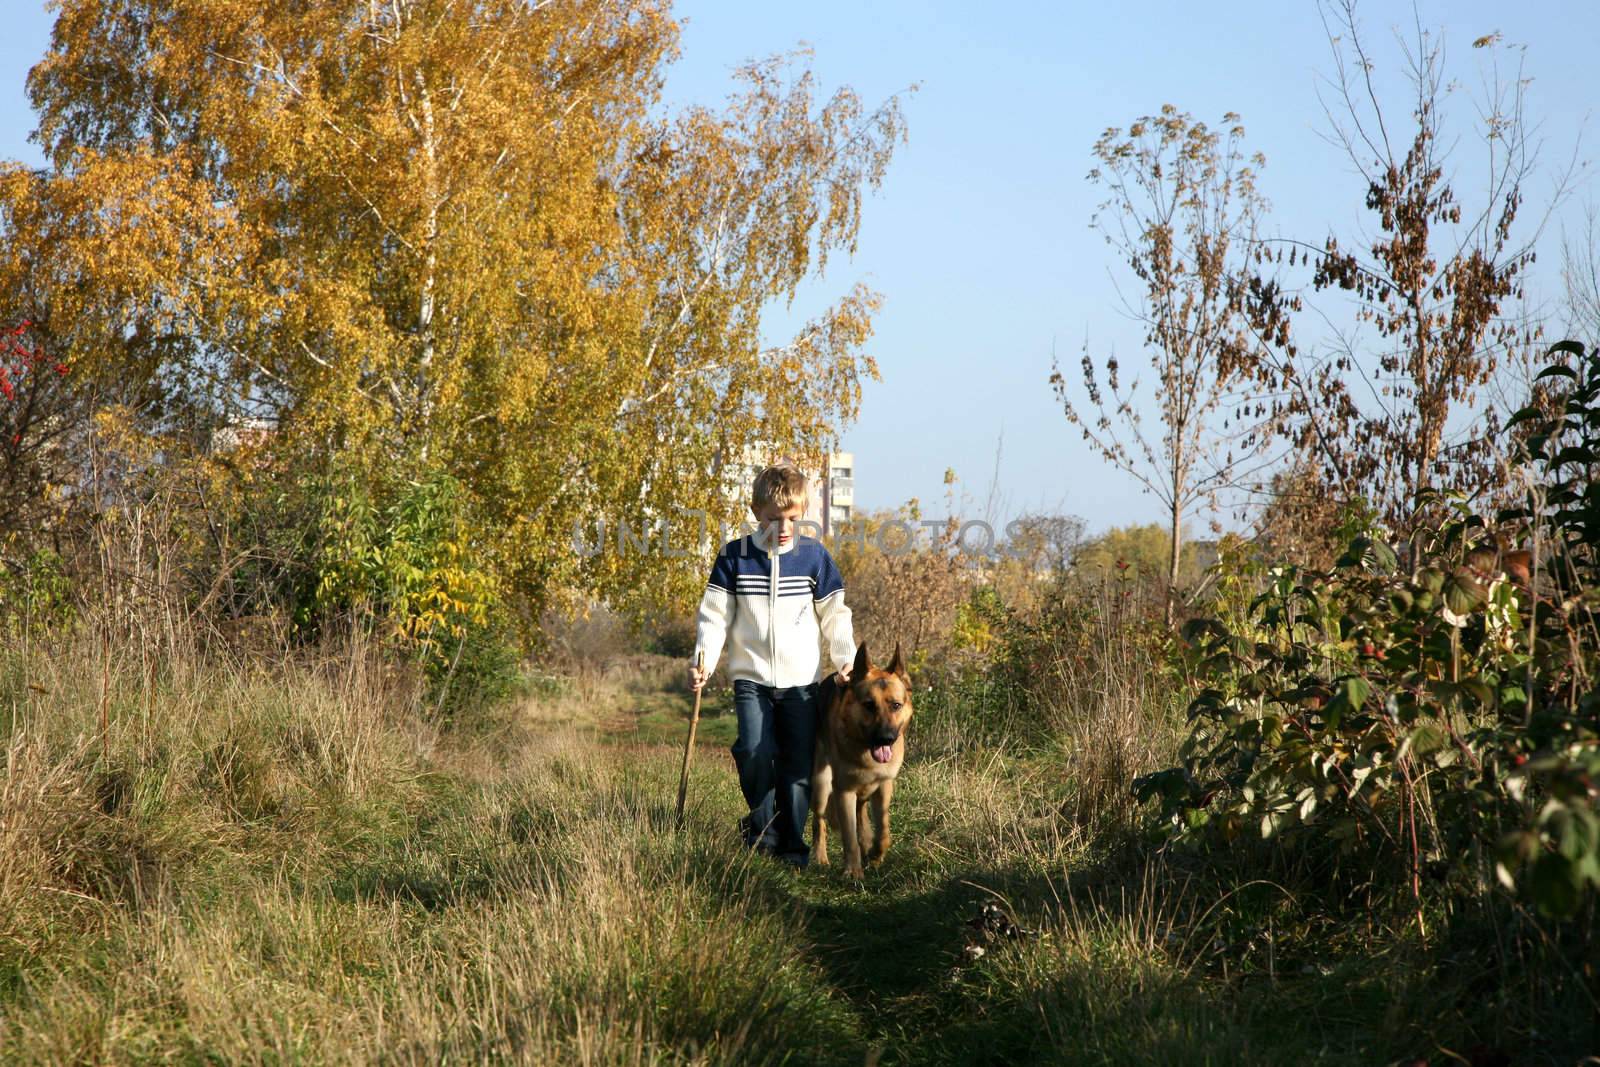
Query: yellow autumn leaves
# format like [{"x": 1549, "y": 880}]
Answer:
[{"x": 428, "y": 236}]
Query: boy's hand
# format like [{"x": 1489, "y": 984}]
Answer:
[
  {"x": 842, "y": 675},
  {"x": 697, "y": 678}
]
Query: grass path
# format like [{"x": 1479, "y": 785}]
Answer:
[
  {"x": 895, "y": 948},
  {"x": 890, "y": 946}
]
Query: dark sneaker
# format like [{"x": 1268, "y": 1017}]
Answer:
[{"x": 794, "y": 859}]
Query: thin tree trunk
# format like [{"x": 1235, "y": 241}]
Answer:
[
  {"x": 1172, "y": 563},
  {"x": 425, "y": 305}
]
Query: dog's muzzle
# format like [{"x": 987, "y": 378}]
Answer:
[{"x": 883, "y": 745}]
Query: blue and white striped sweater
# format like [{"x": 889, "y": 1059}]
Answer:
[{"x": 743, "y": 610}]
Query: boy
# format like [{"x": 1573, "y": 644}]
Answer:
[{"x": 777, "y": 600}]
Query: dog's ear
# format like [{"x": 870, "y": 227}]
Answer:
[
  {"x": 898, "y": 665},
  {"x": 858, "y": 672}
]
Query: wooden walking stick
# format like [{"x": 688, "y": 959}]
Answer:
[{"x": 688, "y": 746}]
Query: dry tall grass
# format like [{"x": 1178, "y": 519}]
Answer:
[
  {"x": 194, "y": 763},
  {"x": 1089, "y": 671},
  {"x": 286, "y": 862}
]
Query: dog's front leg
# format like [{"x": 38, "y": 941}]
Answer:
[
  {"x": 863, "y": 825},
  {"x": 821, "y": 796},
  {"x": 848, "y": 841},
  {"x": 880, "y": 819}
]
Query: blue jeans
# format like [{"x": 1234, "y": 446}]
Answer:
[{"x": 774, "y": 751}]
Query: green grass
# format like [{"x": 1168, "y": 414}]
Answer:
[
  {"x": 289, "y": 869},
  {"x": 663, "y": 718}
]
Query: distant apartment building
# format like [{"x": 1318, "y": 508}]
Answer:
[
  {"x": 838, "y": 492},
  {"x": 830, "y": 496},
  {"x": 241, "y": 433}
]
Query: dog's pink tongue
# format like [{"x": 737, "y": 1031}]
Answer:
[{"x": 883, "y": 753}]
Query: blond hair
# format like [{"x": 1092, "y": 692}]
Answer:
[{"x": 781, "y": 485}]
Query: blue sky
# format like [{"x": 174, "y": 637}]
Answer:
[{"x": 979, "y": 236}]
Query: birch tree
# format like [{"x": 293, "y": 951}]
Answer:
[{"x": 469, "y": 238}]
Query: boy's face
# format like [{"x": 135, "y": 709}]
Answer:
[{"x": 778, "y": 524}]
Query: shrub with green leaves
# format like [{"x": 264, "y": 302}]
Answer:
[
  {"x": 1427, "y": 713},
  {"x": 35, "y": 592},
  {"x": 404, "y": 555}
]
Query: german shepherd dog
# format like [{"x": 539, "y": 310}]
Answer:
[{"x": 861, "y": 742}]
